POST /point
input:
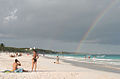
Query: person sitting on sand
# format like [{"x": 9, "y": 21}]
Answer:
[
  {"x": 57, "y": 60},
  {"x": 34, "y": 59},
  {"x": 12, "y": 55},
  {"x": 16, "y": 54},
  {"x": 15, "y": 67}
]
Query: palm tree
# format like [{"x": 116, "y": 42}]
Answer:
[{"x": 2, "y": 46}]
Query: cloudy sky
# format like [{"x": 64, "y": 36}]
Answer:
[{"x": 60, "y": 24}]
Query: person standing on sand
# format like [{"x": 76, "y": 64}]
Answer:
[
  {"x": 57, "y": 60},
  {"x": 34, "y": 59}
]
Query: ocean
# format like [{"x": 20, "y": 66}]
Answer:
[{"x": 96, "y": 58}]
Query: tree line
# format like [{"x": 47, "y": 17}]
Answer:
[{"x": 3, "y": 48}]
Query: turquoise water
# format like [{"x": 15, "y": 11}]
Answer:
[
  {"x": 102, "y": 56},
  {"x": 100, "y": 59}
]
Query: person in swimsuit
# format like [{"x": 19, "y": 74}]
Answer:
[
  {"x": 57, "y": 60},
  {"x": 34, "y": 59},
  {"x": 15, "y": 67}
]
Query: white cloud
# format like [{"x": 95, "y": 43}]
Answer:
[{"x": 11, "y": 16}]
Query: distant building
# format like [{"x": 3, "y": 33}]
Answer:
[
  {"x": 30, "y": 48},
  {"x": 34, "y": 47}
]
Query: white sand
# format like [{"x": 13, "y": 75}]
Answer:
[{"x": 46, "y": 69}]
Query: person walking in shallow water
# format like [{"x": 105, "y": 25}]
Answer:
[{"x": 34, "y": 59}]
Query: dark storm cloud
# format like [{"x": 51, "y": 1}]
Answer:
[
  {"x": 64, "y": 20},
  {"x": 107, "y": 30}
]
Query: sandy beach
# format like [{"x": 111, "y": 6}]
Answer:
[{"x": 46, "y": 69}]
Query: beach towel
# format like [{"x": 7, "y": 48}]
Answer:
[
  {"x": 7, "y": 71},
  {"x": 19, "y": 70}
]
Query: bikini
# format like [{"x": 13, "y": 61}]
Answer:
[{"x": 35, "y": 59}]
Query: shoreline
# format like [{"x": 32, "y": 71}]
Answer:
[{"x": 94, "y": 66}]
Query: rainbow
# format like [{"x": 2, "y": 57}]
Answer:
[{"x": 97, "y": 20}]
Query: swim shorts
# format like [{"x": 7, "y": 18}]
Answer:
[{"x": 19, "y": 70}]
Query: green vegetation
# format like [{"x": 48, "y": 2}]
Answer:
[
  {"x": 2, "y": 47},
  {"x": 25, "y": 50}
]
